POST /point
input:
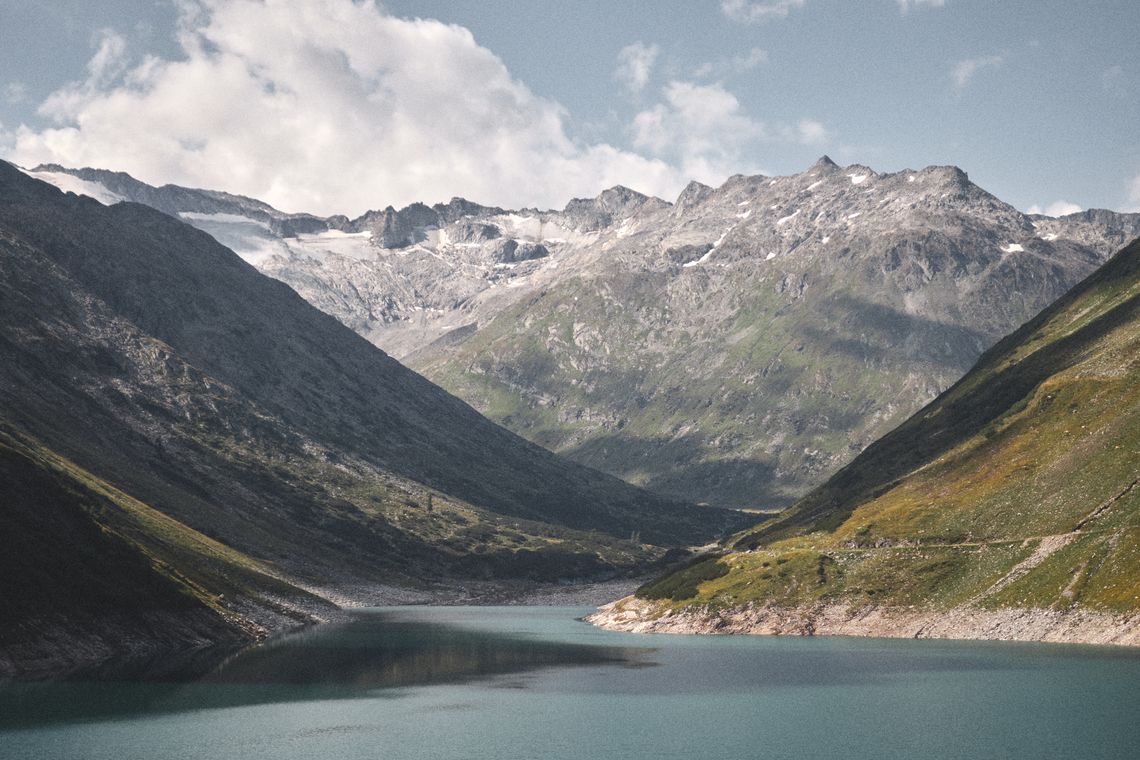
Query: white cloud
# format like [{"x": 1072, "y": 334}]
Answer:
[
  {"x": 811, "y": 132},
  {"x": 359, "y": 111},
  {"x": 1056, "y": 208},
  {"x": 704, "y": 130},
  {"x": 758, "y": 11},
  {"x": 110, "y": 57},
  {"x": 635, "y": 64},
  {"x": 965, "y": 70},
  {"x": 906, "y": 5},
  {"x": 104, "y": 70},
  {"x": 1134, "y": 195}
]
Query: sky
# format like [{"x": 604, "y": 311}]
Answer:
[{"x": 338, "y": 106}]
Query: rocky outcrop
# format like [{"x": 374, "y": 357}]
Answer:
[
  {"x": 512, "y": 252},
  {"x": 1073, "y": 627}
]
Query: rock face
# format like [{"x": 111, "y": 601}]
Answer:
[
  {"x": 1063, "y": 627},
  {"x": 228, "y": 441},
  {"x": 1008, "y": 508},
  {"x": 734, "y": 347}
]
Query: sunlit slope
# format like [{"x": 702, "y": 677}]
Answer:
[{"x": 1017, "y": 488}]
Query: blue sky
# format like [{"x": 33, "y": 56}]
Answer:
[{"x": 335, "y": 106}]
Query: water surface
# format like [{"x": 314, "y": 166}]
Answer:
[{"x": 510, "y": 682}]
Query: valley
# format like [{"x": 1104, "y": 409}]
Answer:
[
  {"x": 734, "y": 347},
  {"x": 247, "y": 457}
]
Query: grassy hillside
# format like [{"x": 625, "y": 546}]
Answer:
[
  {"x": 86, "y": 568},
  {"x": 1017, "y": 488}
]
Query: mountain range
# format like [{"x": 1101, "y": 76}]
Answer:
[
  {"x": 242, "y": 462},
  {"x": 191, "y": 452},
  {"x": 734, "y": 347},
  {"x": 1007, "y": 508}
]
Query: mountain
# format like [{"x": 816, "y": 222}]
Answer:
[
  {"x": 1007, "y": 508},
  {"x": 88, "y": 572},
  {"x": 183, "y": 406},
  {"x": 735, "y": 347}
]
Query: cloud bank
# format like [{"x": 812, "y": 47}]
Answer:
[
  {"x": 332, "y": 106},
  {"x": 1056, "y": 208}
]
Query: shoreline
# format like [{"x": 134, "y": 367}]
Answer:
[
  {"x": 59, "y": 647},
  {"x": 633, "y": 615}
]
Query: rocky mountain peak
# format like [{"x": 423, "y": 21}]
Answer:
[
  {"x": 619, "y": 196},
  {"x": 694, "y": 193},
  {"x": 824, "y": 164},
  {"x": 859, "y": 173},
  {"x": 950, "y": 175},
  {"x": 457, "y": 208},
  {"x": 612, "y": 204}
]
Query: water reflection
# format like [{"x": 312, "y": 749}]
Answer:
[
  {"x": 372, "y": 655},
  {"x": 380, "y": 650}
]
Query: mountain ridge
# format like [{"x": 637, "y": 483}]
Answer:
[
  {"x": 653, "y": 339},
  {"x": 185, "y": 403},
  {"x": 1007, "y": 508}
]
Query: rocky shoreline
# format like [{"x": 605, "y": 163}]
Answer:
[
  {"x": 60, "y": 647},
  {"x": 635, "y": 615}
]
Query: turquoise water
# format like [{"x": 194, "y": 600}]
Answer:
[{"x": 518, "y": 682}]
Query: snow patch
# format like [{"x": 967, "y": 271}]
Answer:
[
  {"x": 1050, "y": 237},
  {"x": 319, "y": 246},
  {"x": 856, "y": 214},
  {"x": 1012, "y": 248},
  {"x": 71, "y": 184},
  {"x": 790, "y": 217},
  {"x": 825, "y": 239},
  {"x": 709, "y": 252},
  {"x": 743, "y": 203},
  {"x": 747, "y": 213},
  {"x": 858, "y": 179},
  {"x": 249, "y": 238},
  {"x": 815, "y": 184},
  {"x": 911, "y": 178},
  {"x": 535, "y": 229},
  {"x": 771, "y": 255},
  {"x": 195, "y": 216}
]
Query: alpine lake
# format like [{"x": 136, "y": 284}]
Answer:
[{"x": 536, "y": 682}]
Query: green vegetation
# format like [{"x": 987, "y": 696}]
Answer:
[
  {"x": 80, "y": 550},
  {"x": 635, "y": 387},
  {"x": 1017, "y": 488},
  {"x": 684, "y": 583}
]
